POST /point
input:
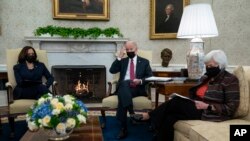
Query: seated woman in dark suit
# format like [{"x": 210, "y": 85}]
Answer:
[
  {"x": 215, "y": 98},
  {"x": 28, "y": 74}
]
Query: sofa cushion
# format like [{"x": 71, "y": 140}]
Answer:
[
  {"x": 178, "y": 136},
  {"x": 214, "y": 131},
  {"x": 139, "y": 103},
  {"x": 184, "y": 126},
  {"x": 244, "y": 93}
]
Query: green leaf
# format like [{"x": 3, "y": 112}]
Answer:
[{"x": 67, "y": 32}]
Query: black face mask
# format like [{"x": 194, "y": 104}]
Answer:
[
  {"x": 131, "y": 54},
  {"x": 212, "y": 72},
  {"x": 30, "y": 59}
]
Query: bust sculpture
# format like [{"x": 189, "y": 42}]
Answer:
[{"x": 166, "y": 56}]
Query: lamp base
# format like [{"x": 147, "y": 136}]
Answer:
[{"x": 195, "y": 59}]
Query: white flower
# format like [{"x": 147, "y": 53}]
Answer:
[
  {"x": 61, "y": 128},
  {"x": 27, "y": 117},
  {"x": 32, "y": 126},
  {"x": 50, "y": 95},
  {"x": 81, "y": 118},
  {"x": 68, "y": 99},
  {"x": 41, "y": 101},
  {"x": 54, "y": 101},
  {"x": 70, "y": 123},
  {"x": 56, "y": 112},
  {"x": 46, "y": 120},
  {"x": 59, "y": 106},
  {"x": 39, "y": 121},
  {"x": 68, "y": 107}
]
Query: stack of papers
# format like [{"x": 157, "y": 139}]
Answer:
[{"x": 155, "y": 78}]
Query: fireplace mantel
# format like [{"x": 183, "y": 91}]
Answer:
[
  {"x": 60, "y": 44},
  {"x": 61, "y": 39}
]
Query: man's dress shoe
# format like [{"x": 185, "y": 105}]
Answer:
[
  {"x": 137, "y": 117},
  {"x": 122, "y": 134}
]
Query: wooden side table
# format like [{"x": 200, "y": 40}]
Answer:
[{"x": 167, "y": 88}]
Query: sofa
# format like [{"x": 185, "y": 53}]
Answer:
[{"x": 198, "y": 130}]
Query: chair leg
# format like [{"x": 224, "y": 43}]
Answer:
[
  {"x": 12, "y": 126},
  {"x": 103, "y": 124}
]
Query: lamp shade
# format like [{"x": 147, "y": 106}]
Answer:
[{"x": 197, "y": 22}]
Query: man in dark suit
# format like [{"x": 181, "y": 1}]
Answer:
[
  {"x": 168, "y": 23},
  {"x": 133, "y": 71}
]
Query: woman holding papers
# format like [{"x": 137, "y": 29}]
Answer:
[
  {"x": 215, "y": 98},
  {"x": 28, "y": 74}
]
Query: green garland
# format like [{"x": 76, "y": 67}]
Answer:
[{"x": 66, "y": 32}]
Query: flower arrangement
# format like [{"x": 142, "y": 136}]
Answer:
[{"x": 62, "y": 113}]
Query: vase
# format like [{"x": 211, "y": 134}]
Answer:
[{"x": 53, "y": 135}]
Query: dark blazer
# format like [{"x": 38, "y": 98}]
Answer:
[
  {"x": 223, "y": 93},
  {"x": 22, "y": 74},
  {"x": 143, "y": 69}
]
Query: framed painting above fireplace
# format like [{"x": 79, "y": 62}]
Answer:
[{"x": 81, "y": 9}]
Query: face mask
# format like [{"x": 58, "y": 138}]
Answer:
[
  {"x": 131, "y": 54},
  {"x": 212, "y": 72},
  {"x": 30, "y": 59}
]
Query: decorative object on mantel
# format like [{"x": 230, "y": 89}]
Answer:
[
  {"x": 56, "y": 115},
  {"x": 166, "y": 56},
  {"x": 197, "y": 22},
  {"x": 67, "y": 32}
]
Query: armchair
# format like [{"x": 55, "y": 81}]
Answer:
[
  {"x": 110, "y": 102},
  {"x": 20, "y": 106}
]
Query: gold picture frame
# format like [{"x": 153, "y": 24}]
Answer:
[
  {"x": 161, "y": 26},
  {"x": 81, "y": 9}
]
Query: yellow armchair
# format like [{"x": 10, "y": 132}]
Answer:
[{"x": 20, "y": 106}]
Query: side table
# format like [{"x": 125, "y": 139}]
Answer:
[{"x": 167, "y": 88}]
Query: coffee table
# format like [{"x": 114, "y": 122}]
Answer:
[{"x": 87, "y": 132}]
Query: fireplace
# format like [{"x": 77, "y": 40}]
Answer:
[
  {"x": 86, "y": 82},
  {"x": 77, "y": 52}
]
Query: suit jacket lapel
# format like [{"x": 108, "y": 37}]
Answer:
[
  {"x": 125, "y": 67},
  {"x": 138, "y": 65}
]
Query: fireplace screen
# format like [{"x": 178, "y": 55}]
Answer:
[{"x": 86, "y": 82}]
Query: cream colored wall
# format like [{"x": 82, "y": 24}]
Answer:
[{"x": 18, "y": 18}]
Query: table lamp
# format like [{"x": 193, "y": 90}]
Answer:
[{"x": 197, "y": 22}]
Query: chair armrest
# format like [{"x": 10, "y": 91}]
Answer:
[
  {"x": 9, "y": 87},
  {"x": 110, "y": 86}
]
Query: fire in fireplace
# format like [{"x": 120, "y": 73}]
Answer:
[
  {"x": 87, "y": 82},
  {"x": 81, "y": 88}
]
